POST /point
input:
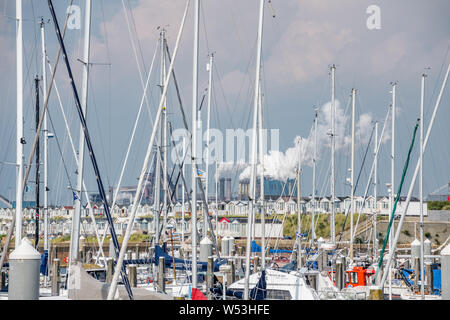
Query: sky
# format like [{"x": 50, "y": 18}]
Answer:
[{"x": 301, "y": 40}]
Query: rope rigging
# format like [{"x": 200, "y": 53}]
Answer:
[{"x": 405, "y": 168}]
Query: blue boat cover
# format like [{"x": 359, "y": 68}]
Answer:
[
  {"x": 437, "y": 281},
  {"x": 257, "y": 248},
  {"x": 138, "y": 261},
  {"x": 181, "y": 264},
  {"x": 44, "y": 263}
]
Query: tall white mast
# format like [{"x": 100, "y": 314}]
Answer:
[
  {"x": 333, "y": 148},
  {"x": 157, "y": 196},
  {"x": 313, "y": 229},
  {"x": 164, "y": 145},
  {"x": 194, "y": 143},
  {"x": 422, "y": 274},
  {"x": 209, "y": 68},
  {"x": 44, "y": 89},
  {"x": 253, "y": 154},
  {"x": 261, "y": 182},
  {"x": 352, "y": 175},
  {"x": 217, "y": 200},
  {"x": 299, "y": 220},
  {"x": 392, "y": 193},
  {"x": 74, "y": 239},
  {"x": 183, "y": 190},
  {"x": 375, "y": 195},
  {"x": 20, "y": 140}
]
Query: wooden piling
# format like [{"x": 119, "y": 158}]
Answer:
[
  {"x": 132, "y": 274},
  {"x": 233, "y": 271},
  {"x": 3, "y": 280},
  {"x": 109, "y": 270},
  {"x": 137, "y": 250},
  {"x": 161, "y": 274},
  {"x": 417, "y": 270},
  {"x": 338, "y": 275},
  {"x": 429, "y": 277},
  {"x": 209, "y": 277},
  {"x": 55, "y": 277}
]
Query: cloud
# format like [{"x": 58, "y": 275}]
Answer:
[{"x": 283, "y": 165}]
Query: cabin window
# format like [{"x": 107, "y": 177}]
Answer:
[
  {"x": 347, "y": 280},
  {"x": 273, "y": 294},
  {"x": 354, "y": 277}
]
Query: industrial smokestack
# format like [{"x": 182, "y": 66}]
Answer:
[
  {"x": 222, "y": 189},
  {"x": 228, "y": 189}
]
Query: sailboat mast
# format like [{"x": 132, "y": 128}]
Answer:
[
  {"x": 194, "y": 143},
  {"x": 261, "y": 182},
  {"x": 183, "y": 190},
  {"x": 253, "y": 154},
  {"x": 375, "y": 195},
  {"x": 422, "y": 274},
  {"x": 299, "y": 217},
  {"x": 392, "y": 195},
  {"x": 164, "y": 145},
  {"x": 74, "y": 239},
  {"x": 217, "y": 200},
  {"x": 313, "y": 228},
  {"x": 157, "y": 197},
  {"x": 38, "y": 173},
  {"x": 352, "y": 175},
  {"x": 45, "y": 129},
  {"x": 333, "y": 149},
  {"x": 209, "y": 68},
  {"x": 20, "y": 140}
]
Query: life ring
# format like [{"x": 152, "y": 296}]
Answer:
[{"x": 66, "y": 259}]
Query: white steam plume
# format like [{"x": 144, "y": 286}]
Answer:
[{"x": 281, "y": 166}]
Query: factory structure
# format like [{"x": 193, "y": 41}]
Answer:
[{"x": 273, "y": 189}]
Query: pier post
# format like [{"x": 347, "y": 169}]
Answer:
[
  {"x": 344, "y": 268},
  {"x": 109, "y": 270},
  {"x": 151, "y": 253},
  {"x": 54, "y": 252},
  {"x": 55, "y": 277},
  {"x": 445, "y": 270},
  {"x": 338, "y": 275},
  {"x": 417, "y": 270},
  {"x": 429, "y": 277},
  {"x": 137, "y": 250},
  {"x": 232, "y": 272},
  {"x": 132, "y": 274},
  {"x": 111, "y": 252},
  {"x": 3, "y": 283},
  {"x": 209, "y": 277},
  {"x": 320, "y": 258},
  {"x": 161, "y": 274}
]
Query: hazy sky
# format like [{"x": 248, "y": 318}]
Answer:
[{"x": 300, "y": 43}]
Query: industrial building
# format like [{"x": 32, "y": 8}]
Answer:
[{"x": 273, "y": 189}]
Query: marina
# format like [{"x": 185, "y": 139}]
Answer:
[{"x": 147, "y": 168}]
